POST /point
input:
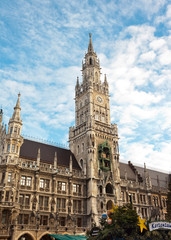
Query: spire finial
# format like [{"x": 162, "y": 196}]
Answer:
[
  {"x": 90, "y": 46},
  {"x": 1, "y": 116},
  {"x": 18, "y": 101}
]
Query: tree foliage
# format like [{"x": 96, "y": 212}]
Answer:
[{"x": 124, "y": 227}]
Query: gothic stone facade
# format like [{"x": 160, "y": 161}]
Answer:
[{"x": 46, "y": 189}]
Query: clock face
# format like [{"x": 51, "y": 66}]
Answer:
[{"x": 99, "y": 99}]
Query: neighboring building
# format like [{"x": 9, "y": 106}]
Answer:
[{"x": 47, "y": 189}]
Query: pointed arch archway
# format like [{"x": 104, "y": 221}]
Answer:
[
  {"x": 109, "y": 205},
  {"x": 109, "y": 188},
  {"x": 26, "y": 236},
  {"x": 46, "y": 237}
]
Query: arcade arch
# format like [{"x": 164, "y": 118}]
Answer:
[
  {"x": 26, "y": 236},
  {"x": 46, "y": 237}
]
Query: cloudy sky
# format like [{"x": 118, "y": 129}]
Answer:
[{"x": 42, "y": 44}]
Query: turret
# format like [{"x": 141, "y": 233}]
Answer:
[
  {"x": 70, "y": 164},
  {"x": 55, "y": 161},
  {"x": 1, "y": 117},
  {"x": 38, "y": 158},
  {"x": 13, "y": 140}
]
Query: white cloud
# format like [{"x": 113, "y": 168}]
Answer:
[
  {"x": 166, "y": 19},
  {"x": 42, "y": 58}
]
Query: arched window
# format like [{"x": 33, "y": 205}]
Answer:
[
  {"x": 100, "y": 190},
  {"x": 109, "y": 205},
  {"x": 154, "y": 202},
  {"x": 96, "y": 77},
  {"x": 109, "y": 188},
  {"x": 81, "y": 163},
  {"x": 101, "y": 205},
  {"x": 82, "y": 147},
  {"x": 91, "y": 62}
]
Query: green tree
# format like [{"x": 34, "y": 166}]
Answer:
[{"x": 124, "y": 224}]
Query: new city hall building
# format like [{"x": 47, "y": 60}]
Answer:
[{"x": 47, "y": 189}]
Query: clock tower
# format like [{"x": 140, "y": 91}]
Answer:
[{"x": 94, "y": 139}]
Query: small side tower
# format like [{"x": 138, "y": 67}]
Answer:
[
  {"x": 2, "y": 133},
  {"x": 13, "y": 139}
]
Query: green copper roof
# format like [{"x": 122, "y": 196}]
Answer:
[{"x": 68, "y": 237}]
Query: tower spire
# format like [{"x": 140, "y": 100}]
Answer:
[
  {"x": 17, "y": 109},
  {"x": 1, "y": 116},
  {"x": 90, "y": 46}
]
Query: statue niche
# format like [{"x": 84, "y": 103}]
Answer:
[{"x": 104, "y": 156}]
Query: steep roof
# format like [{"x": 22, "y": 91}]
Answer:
[
  {"x": 125, "y": 167},
  {"x": 29, "y": 150},
  {"x": 157, "y": 178}
]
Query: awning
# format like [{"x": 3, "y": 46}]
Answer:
[{"x": 68, "y": 237}]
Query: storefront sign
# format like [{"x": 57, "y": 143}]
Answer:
[
  {"x": 157, "y": 225},
  {"x": 95, "y": 231}
]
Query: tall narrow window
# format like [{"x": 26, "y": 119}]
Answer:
[
  {"x": 28, "y": 181},
  {"x": 58, "y": 203},
  {"x": 41, "y": 201},
  {"x": 8, "y": 148},
  {"x": 62, "y": 221},
  {"x": 41, "y": 183},
  {"x": 9, "y": 177},
  {"x": 13, "y": 148},
  {"x": 21, "y": 199},
  {"x": 74, "y": 188},
  {"x": 63, "y": 186},
  {"x": 47, "y": 183},
  {"x": 44, "y": 220},
  {"x": 82, "y": 147},
  {"x": 79, "y": 222},
  {"x": 5, "y": 215},
  {"x": 23, "y": 180},
  {"x": 27, "y": 200},
  {"x": 3, "y": 177},
  {"x": 63, "y": 203},
  {"x": 46, "y": 202},
  {"x": 81, "y": 163},
  {"x": 11, "y": 130},
  {"x": 7, "y": 196}
]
